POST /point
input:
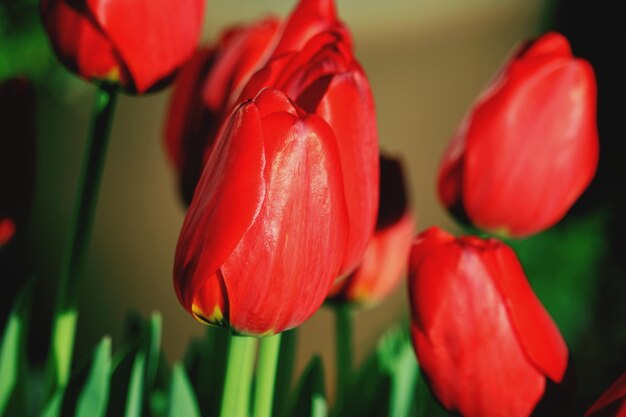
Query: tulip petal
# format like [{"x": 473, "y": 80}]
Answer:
[
  {"x": 242, "y": 52},
  {"x": 153, "y": 37},
  {"x": 79, "y": 44},
  {"x": 471, "y": 362},
  {"x": 190, "y": 127},
  {"x": 537, "y": 333},
  {"x": 523, "y": 169},
  {"x": 228, "y": 198},
  {"x": 605, "y": 404},
  {"x": 309, "y": 18},
  {"x": 348, "y": 107},
  {"x": 281, "y": 271}
]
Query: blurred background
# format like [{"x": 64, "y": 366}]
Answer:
[{"x": 426, "y": 60}]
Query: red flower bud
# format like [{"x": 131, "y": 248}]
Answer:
[
  {"x": 611, "y": 403},
  {"x": 205, "y": 92},
  {"x": 210, "y": 85},
  {"x": 313, "y": 64},
  {"x": 17, "y": 154},
  {"x": 528, "y": 147},
  {"x": 384, "y": 262},
  {"x": 482, "y": 338},
  {"x": 325, "y": 78},
  {"x": 265, "y": 234},
  {"x": 138, "y": 43}
]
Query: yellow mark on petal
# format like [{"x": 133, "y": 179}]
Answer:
[{"x": 215, "y": 318}]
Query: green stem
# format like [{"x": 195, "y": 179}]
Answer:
[
  {"x": 239, "y": 370},
  {"x": 343, "y": 338},
  {"x": 266, "y": 375},
  {"x": 64, "y": 325}
]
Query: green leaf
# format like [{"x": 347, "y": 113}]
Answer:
[
  {"x": 309, "y": 398},
  {"x": 205, "y": 363},
  {"x": 284, "y": 371},
  {"x": 153, "y": 348},
  {"x": 182, "y": 398},
  {"x": 10, "y": 349},
  {"x": 53, "y": 406},
  {"x": 135, "y": 389},
  {"x": 397, "y": 358},
  {"x": 94, "y": 398}
]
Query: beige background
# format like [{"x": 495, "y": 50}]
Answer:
[{"x": 426, "y": 60}]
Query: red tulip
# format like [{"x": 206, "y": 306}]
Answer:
[
  {"x": 138, "y": 43},
  {"x": 313, "y": 64},
  {"x": 384, "y": 262},
  {"x": 482, "y": 338},
  {"x": 265, "y": 234},
  {"x": 17, "y": 155},
  {"x": 611, "y": 403},
  {"x": 528, "y": 147},
  {"x": 205, "y": 92},
  {"x": 324, "y": 78},
  {"x": 210, "y": 85}
]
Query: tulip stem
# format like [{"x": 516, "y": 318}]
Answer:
[
  {"x": 343, "y": 338},
  {"x": 239, "y": 370},
  {"x": 269, "y": 348},
  {"x": 78, "y": 235}
]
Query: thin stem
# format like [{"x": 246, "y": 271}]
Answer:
[
  {"x": 266, "y": 375},
  {"x": 64, "y": 326},
  {"x": 343, "y": 338},
  {"x": 239, "y": 370}
]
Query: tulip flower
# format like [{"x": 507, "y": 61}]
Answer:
[
  {"x": 266, "y": 232},
  {"x": 17, "y": 154},
  {"x": 137, "y": 43},
  {"x": 611, "y": 403},
  {"x": 313, "y": 64},
  {"x": 482, "y": 338},
  {"x": 324, "y": 78},
  {"x": 384, "y": 261},
  {"x": 528, "y": 147},
  {"x": 205, "y": 92},
  {"x": 210, "y": 85}
]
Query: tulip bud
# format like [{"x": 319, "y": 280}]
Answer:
[
  {"x": 528, "y": 147},
  {"x": 210, "y": 85},
  {"x": 482, "y": 338},
  {"x": 206, "y": 90},
  {"x": 612, "y": 403},
  {"x": 17, "y": 154},
  {"x": 324, "y": 78},
  {"x": 137, "y": 43},
  {"x": 384, "y": 262},
  {"x": 265, "y": 234}
]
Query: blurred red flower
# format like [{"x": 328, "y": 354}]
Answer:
[
  {"x": 138, "y": 43},
  {"x": 528, "y": 147},
  {"x": 384, "y": 263},
  {"x": 482, "y": 338}
]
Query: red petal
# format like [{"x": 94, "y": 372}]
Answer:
[
  {"x": 383, "y": 267},
  {"x": 348, "y": 107},
  {"x": 309, "y": 18},
  {"x": 241, "y": 52},
  {"x": 152, "y": 37},
  {"x": 78, "y": 43},
  {"x": 531, "y": 143},
  {"x": 228, "y": 198},
  {"x": 184, "y": 118},
  {"x": 535, "y": 329},
  {"x": 281, "y": 271},
  {"x": 463, "y": 338},
  {"x": 616, "y": 392}
]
